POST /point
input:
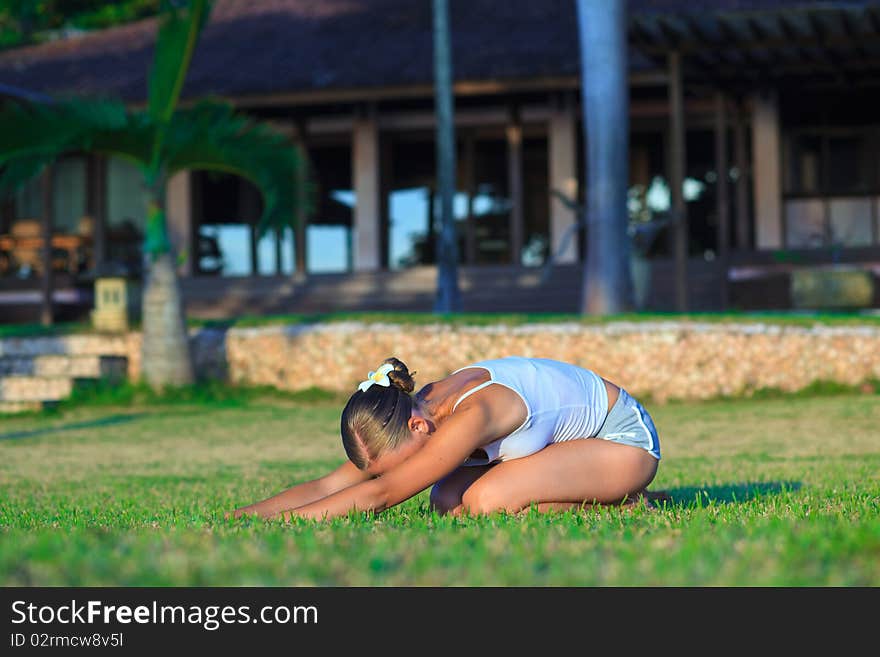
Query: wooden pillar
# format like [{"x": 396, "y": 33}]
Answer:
[
  {"x": 255, "y": 253},
  {"x": 46, "y": 312},
  {"x": 742, "y": 182},
  {"x": 767, "y": 170},
  {"x": 279, "y": 265},
  {"x": 303, "y": 181},
  {"x": 386, "y": 175},
  {"x": 249, "y": 213},
  {"x": 300, "y": 249},
  {"x": 515, "y": 186},
  {"x": 677, "y": 167},
  {"x": 562, "y": 155},
  {"x": 365, "y": 159},
  {"x": 722, "y": 197}
]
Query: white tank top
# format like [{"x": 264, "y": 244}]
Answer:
[{"x": 563, "y": 402}]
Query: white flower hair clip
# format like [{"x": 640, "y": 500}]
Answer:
[{"x": 380, "y": 377}]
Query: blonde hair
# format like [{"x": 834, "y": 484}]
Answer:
[{"x": 375, "y": 420}]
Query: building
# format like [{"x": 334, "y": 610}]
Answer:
[{"x": 782, "y": 96}]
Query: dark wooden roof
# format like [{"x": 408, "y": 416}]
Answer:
[{"x": 263, "y": 47}]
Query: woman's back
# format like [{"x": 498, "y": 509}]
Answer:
[{"x": 563, "y": 402}]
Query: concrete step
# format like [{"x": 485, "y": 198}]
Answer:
[
  {"x": 35, "y": 388},
  {"x": 81, "y": 344},
  {"x": 20, "y": 407},
  {"x": 97, "y": 367}
]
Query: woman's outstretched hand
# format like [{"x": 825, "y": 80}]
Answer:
[{"x": 238, "y": 513}]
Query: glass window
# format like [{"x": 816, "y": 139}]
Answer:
[
  {"x": 838, "y": 167},
  {"x": 850, "y": 220},
  {"x": 69, "y": 188},
  {"x": 29, "y": 200},
  {"x": 126, "y": 201},
  {"x": 805, "y": 223}
]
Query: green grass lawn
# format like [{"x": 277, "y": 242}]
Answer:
[{"x": 766, "y": 492}]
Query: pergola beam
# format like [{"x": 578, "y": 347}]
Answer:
[
  {"x": 689, "y": 46},
  {"x": 791, "y": 34}
]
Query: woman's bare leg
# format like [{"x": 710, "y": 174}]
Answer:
[
  {"x": 446, "y": 493},
  {"x": 562, "y": 476}
]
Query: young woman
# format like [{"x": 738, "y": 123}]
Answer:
[{"x": 503, "y": 434}]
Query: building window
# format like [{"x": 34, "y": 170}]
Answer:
[
  {"x": 481, "y": 203},
  {"x": 126, "y": 202},
  {"x": 832, "y": 178}
]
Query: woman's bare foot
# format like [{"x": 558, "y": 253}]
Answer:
[{"x": 649, "y": 499}]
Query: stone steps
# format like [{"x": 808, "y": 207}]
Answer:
[
  {"x": 59, "y": 366},
  {"x": 33, "y": 374},
  {"x": 21, "y": 407},
  {"x": 34, "y": 388}
]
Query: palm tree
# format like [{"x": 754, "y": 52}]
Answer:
[
  {"x": 604, "y": 89},
  {"x": 448, "y": 297},
  {"x": 161, "y": 139}
]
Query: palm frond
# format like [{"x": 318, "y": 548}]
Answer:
[
  {"x": 35, "y": 135},
  {"x": 212, "y": 136},
  {"x": 55, "y": 127},
  {"x": 16, "y": 173},
  {"x": 178, "y": 34}
]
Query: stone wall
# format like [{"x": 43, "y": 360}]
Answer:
[{"x": 663, "y": 360}]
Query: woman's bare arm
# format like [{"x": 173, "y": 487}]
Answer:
[
  {"x": 444, "y": 452},
  {"x": 342, "y": 477}
]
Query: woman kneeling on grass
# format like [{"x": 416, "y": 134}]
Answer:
[{"x": 498, "y": 435}]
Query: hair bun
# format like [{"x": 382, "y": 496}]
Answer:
[{"x": 400, "y": 376}]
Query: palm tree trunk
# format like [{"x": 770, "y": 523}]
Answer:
[
  {"x": 166, "y": 358},
  {"x": 604, "y": 86},
  {"x": 448, "y": 297}
]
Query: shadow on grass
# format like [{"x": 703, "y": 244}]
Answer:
[
  {"x": 696, "y": 497},
  {"x": 90, "y": 424}
]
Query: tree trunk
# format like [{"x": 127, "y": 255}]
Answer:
[
  {"x": 448, "y": 295},
  {"x": 607, "y": 285},
  {"x": 166, "y": 358},
  {"x": 165, "y": 355}
]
